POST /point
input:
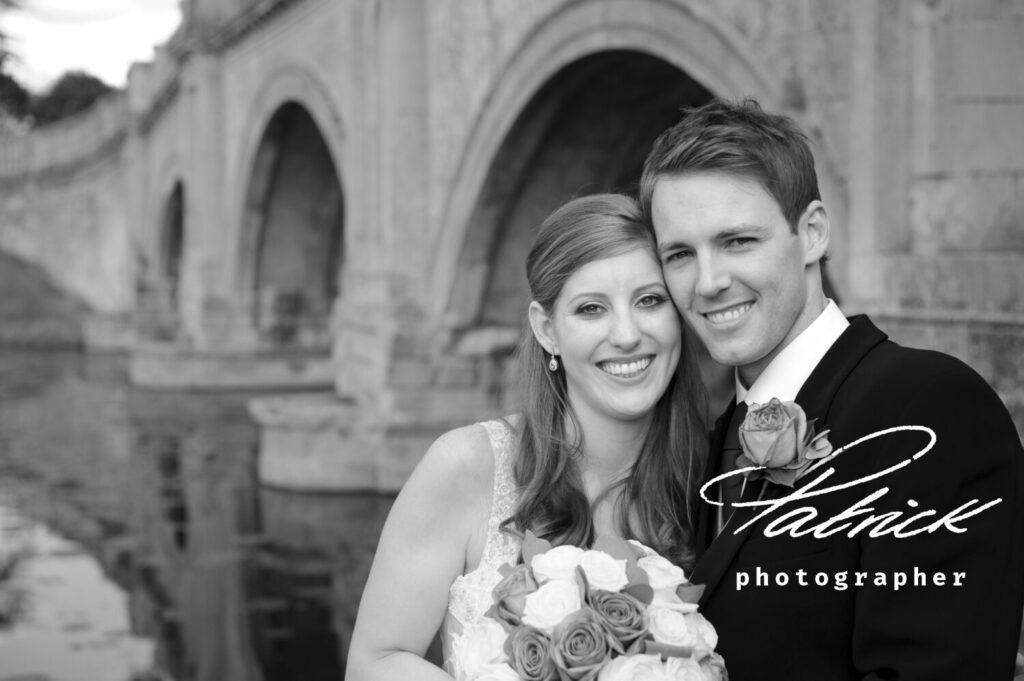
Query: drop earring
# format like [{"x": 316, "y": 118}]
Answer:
[{"x": 553, "y": 363}]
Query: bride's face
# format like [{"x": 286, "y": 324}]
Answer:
[{"x": 617, "y": 334}]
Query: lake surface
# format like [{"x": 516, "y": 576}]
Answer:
[{"x": 136, "y": 543}]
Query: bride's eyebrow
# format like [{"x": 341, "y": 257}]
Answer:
[
  {"x": 658, "y": 286},
  {"x": 586, "y": 295}
]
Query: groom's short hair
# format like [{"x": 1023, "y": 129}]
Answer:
[{"x": 737, "y": 138}]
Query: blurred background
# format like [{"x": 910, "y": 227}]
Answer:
[{"x": 256, "y": 254}]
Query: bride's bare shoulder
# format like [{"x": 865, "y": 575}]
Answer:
[{"x": 461, "y": 457}]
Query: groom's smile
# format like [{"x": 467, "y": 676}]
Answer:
[{"x": 728, "y": 314}]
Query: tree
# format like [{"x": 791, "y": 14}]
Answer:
[
  {"x": 73, "y": 93},
  {"x": 5, "y": 54},
  {"x": 14, "y": 98}
]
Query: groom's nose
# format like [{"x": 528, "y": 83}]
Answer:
[{"x": 712, "y": 276}]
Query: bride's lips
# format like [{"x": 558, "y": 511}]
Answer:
[
  {"x": 727, "y": 315},
  {"x": 626, "y": 367}
]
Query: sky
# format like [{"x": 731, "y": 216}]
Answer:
[{"x": 102, "y": 37}]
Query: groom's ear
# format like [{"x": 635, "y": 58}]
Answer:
[
  {"x": 815, "y": 232},
  {"x": 540, "y": 322}
]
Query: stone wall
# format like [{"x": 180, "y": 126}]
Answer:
[
  {"x": 950, "y": 256},
  {"x": 62, "y": 204}
]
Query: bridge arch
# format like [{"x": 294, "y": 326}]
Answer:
[
  {"x": 172, "y": 241},
  {"x": 291, "y": 222},
  {"x": 692, "y": 56},
  {"x": 651, "y": 56}
]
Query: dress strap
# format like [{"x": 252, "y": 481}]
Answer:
[
  {"x": 470, "y": 594},
  {"x": 502, "y": 438}
]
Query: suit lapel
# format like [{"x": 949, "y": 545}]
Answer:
[
  {"x": 816, "y": 398},
  {"x": 846, "y": 353}
]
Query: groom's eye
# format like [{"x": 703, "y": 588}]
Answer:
[
  {"x": 741, "y": 241},
  {"x": 674, "y": 256}
]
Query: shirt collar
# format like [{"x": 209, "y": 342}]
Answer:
[{"x": 787, "y": 372}]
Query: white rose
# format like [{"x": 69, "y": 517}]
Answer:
[
  {"x": 683, "y": 669},
  {"x": 642, "y": 548},
  {"x": 557, "y": 563},
  {"x": 704, "y": 632},
  {"x": 497, "y": 672},
  {"x": 662, "y": 573},
  {"x": 670, "y": 626},
  {"x": 713, "y": 667},
  {"x": 633, "y": 668},
  {"x": 479, "y": 646},
  {"x": 603, "y": 571},
  {"x": 548, "y": 605}
]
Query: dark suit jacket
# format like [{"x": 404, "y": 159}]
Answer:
[{"x": 863, "y": 385}]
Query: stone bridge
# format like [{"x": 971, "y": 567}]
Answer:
[{"x": 338, "y": 195}]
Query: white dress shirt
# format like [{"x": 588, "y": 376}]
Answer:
[{"x": 789, "y": 370}]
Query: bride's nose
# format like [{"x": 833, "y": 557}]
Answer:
[{"x": 625, "y": 333}]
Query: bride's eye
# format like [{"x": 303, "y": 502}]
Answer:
[
  {"x": 650, "y": 300},
  {"x": 589, "y": 309}
]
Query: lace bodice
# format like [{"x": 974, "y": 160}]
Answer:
[{"x": 469, "y": 596}]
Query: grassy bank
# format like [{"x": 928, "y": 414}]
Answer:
[{"x": 34, "y": 313}]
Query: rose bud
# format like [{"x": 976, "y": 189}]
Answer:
[
  {"x": 580, "y": 646},
  {"x": 623, "y": 616},
  {"x": 509, "y": 596},
  {"x": 772, "y": 434},
  {"x": 529, "y": 653}
]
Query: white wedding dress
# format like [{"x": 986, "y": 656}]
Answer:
[{"x": 469, "y": 596}]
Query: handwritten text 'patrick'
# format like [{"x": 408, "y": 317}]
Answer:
[{"x": 797, "y": 521}]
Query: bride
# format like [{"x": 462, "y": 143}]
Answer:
[{"x": 610, "y": 441}]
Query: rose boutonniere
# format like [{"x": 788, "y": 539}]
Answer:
[{"x": 778, "y": 438}]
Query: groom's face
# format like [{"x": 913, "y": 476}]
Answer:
[{"x": 733, "y": 266}]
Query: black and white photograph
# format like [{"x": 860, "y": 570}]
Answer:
[{"x": 511, "y": 340}]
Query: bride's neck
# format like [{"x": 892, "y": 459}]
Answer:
[{"x": 610, "y": 447}]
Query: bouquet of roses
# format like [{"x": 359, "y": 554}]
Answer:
[{"x": 617, "y": 612}]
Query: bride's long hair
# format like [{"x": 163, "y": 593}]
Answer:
[{"x": 658, "y": 499}]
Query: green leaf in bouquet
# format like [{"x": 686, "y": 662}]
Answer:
[
  {"x": 637, "y": 647},
  {"x": 690, "y": 593},
  {"x": 583, "y": 584},
  {"x": 636, "y": 575},
  {"x": 642, "y": 592},
  {"x": 619, "y": 549},
  {"x": 503, "y": 617},
  {"x": 667, "y": 650},
  {"x": 614, "y": 643},
  {"x": 532, "y": 546}
]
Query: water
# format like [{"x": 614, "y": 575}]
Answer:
[{"x": 143, "y": 546}]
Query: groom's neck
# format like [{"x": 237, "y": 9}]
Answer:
[{"x": 749, "y": 373}]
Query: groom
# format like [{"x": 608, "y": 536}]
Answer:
[{"x": 916, "y": 573}]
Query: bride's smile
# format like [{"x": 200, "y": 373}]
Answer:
[{"x": 626, "y": 368}]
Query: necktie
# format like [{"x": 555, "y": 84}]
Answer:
[{"x": 731, "y": 449}]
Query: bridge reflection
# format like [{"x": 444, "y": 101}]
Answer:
[{"x": 233, "y": 581}]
